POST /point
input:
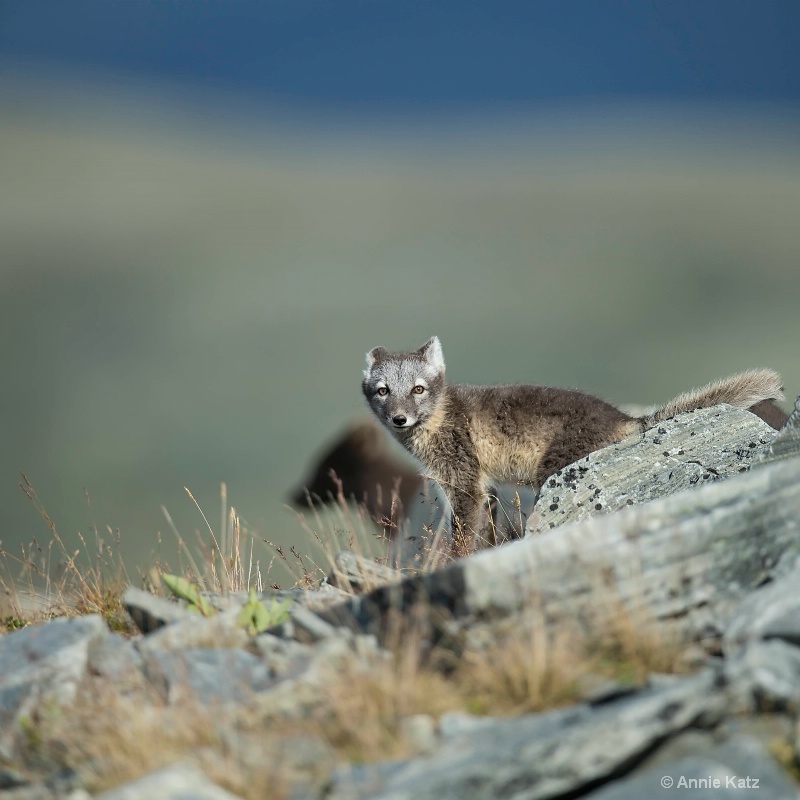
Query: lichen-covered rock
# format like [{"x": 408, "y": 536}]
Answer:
[{"x": 699, "y": 447}]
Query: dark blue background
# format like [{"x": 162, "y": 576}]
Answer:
[{"x": 379, "y": 54}]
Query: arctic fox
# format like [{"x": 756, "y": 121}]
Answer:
[{"x": 469, "y": 438}]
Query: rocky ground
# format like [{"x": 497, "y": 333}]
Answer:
[{"x": 653, "y": 651}]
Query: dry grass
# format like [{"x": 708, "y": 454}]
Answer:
[
  {"x": 530, "y": 667},
  {"x": 537, "y": 666},
  {"x": 226, "y": 561},
  {"x": 44, "y": 582},
  {"x": 111, "y": 738},
  {"x": 362, "y": 718},
  {"x": 336, "y": 526},
  {"x": 341, "y": 525}
]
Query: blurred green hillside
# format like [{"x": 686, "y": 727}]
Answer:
[{"x": 182, "y": 305}]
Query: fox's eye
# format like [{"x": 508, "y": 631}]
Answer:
[
  {"x": 382, "y": 392},
  {"x": 418, "y": 389}
]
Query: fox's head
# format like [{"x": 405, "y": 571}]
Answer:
[{"x": 404, "y": 389}]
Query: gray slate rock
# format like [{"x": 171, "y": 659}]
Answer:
[
  {"x": 44, "y": 664},
  {"x": 209, "y": 677},
  {"x": 691, "y": 557},
  {"x": 179, "y": 782},
  {"x": 195, "y": 631},
  {"x": 149, "y": 612},
  {"x": 719, "y": 773},
  {"x": 311, "y": 670},
  {"x": 114, "y": 657},
  {"x": 787, "y": 443},
  {"x": 285, "y": 658},
  {"x": 308, "y": 627},
  {"x": 354, "y": 573},
  {"x": 765, "y": 676},
  {"x": 772, "y": 611},
  {"x": 698, "y": 447},
  {"x": 37, "y": 791},
  {"x": 551, "y": 754},
  {"x": 317, "y": 598}
]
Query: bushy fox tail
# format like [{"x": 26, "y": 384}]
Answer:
[{"x": 741, "y": 391}]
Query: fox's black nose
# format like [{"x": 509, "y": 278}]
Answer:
[{"x": 399, "y": 420}]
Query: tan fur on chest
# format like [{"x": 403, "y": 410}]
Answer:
[
  {"x": 425, "y": 445},
  {"x": 512, "y": 458}
]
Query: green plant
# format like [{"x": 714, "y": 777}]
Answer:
[
  {"x": 255, "y": 617},
  {"x": 13, "y": 623},
  {"x": 190, "y": 592}
]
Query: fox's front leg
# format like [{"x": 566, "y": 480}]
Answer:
[{"x": 467, "y": 501}]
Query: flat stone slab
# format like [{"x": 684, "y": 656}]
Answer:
[
  {"x": 739, "y": 768},
  {"x": 546, "y": 755}
]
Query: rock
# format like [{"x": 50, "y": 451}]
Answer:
[
  {"x": 357, "y": 781},
  {"x": 195, "y": 631},
  {"x": 307, "y": 683},
  {"x": 787, "y": 443},
  {"x": 354, "y": 573},
  {"x": 302, "y": 763},
  {"x": 691, "y": 557},
  {"x": 308, "y": 627},
  {"x": 43, "y": 664},
  {"x": 179, "y": 782},
  {"x": 419, "y": 733},
  {"x": 699, "y": 447},
  {"x": 322, "y": 596},
  {"x": 11, "y": 779},
  {"x": 551, "y": 754},
  {"x": 455, "y": 724},
  {"x": 284, "y": 658},
  {"x": 772, "y": 611},
  {"x": 765, "y": 676},
  {"x": 149, "y": 612},
  {"x": 595, "y": 689},
  {"x": 207, "y": 677},
  {"x": 716, "y": 773},
  {"x": 116, "y": 658}
]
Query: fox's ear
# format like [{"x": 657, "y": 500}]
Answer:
[
  {"x": 375, "y": 355},
  {"x": 432, "y": 352}
]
